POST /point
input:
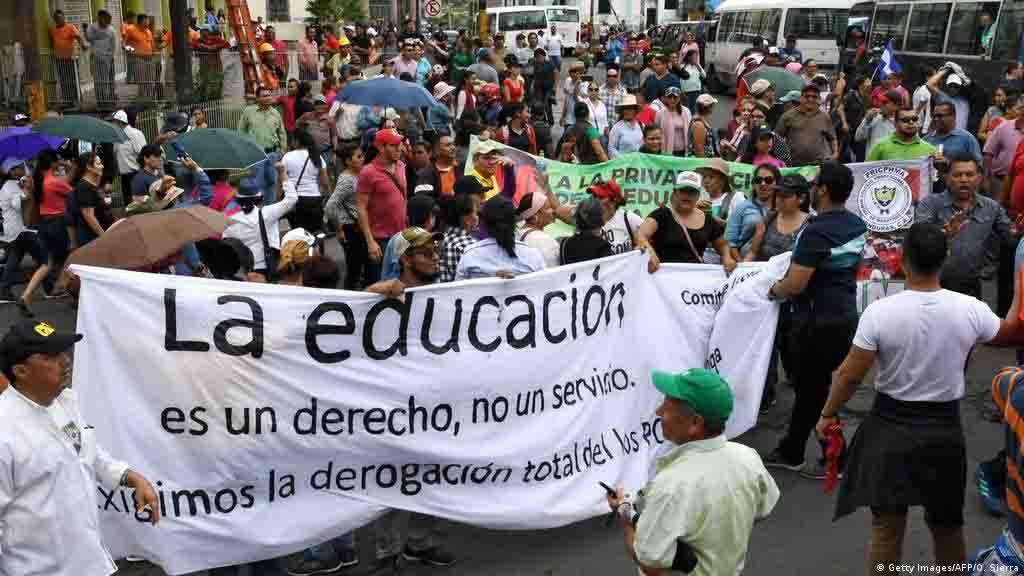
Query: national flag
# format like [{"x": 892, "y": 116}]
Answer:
[{"x": 887, "y": 64}]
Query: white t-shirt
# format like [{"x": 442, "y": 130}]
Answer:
[
  {"x": 10, "y": 209},
  {"x": 922, "y": 101},
  {"x": 293, "y": 163},
  {"x": 922, "y": 340},
  {"x": 540, "y": 240},
  {"x": 554, "y": 44},
  {"x": 617, "y": 235}
]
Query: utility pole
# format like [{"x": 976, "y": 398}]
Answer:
[{"x": 182, "y": 50}]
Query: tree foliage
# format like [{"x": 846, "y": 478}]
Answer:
[{"x": 332, "y": 11}]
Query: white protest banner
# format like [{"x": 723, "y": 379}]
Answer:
[{"x": 271, "y": 418}]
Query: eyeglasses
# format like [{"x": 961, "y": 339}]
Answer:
[
  {"x": 909, "y": 119},
  {"x": 764, "y": 180}
]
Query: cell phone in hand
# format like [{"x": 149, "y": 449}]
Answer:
[{"x": 611, "y": 491}]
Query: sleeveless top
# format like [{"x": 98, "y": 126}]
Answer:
[
  {"x": 775, "y": 242},
  {"x": 710, "y": 141}
]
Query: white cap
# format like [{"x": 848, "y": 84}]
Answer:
[
  {"x": 424, "y": 189},
  {"x": 706, "y": 100},
  {"x": 20, "y": 117},
  {"x": 955, "y": 79},
  {"x": 690, "y": 180},
  {"x": 120, "y": 116},
  {"x": 300, "y": 234},
  {"x": 774, "y": 50}
]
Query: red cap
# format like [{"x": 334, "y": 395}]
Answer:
[
  {"x": 610, "y": 190},
  {"x": 386, "y": 137}
]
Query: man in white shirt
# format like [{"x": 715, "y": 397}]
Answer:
[
  {"x": 127, "y": 152},
  {"x": 910, "y": 450},
  {"x": 553, "y": 44},
  {"x": 50, "y": 464},
  {"x": 922, "y": 102},
  {"x": 19, "y": 239}
]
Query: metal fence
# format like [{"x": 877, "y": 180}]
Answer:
[{"x": 87, "y": 83}]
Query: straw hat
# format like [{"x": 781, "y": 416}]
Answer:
[{"x": 628, "y": 100}]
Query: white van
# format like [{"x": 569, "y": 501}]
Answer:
[
  {"x": 819, "y": 26},
  {"x": 514, "y": 20}
]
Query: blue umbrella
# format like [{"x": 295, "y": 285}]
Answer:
[
  {"x": 387, "y": 92},
  {"x": 24, "y": 143}
]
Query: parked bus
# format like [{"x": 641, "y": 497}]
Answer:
[
  {"x": 818, "y": 24},
  {"x": 514, "y": 20},
  {"x": 932, "y": 33}
]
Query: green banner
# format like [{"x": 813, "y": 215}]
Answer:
[{"x": 646, "y": 180}]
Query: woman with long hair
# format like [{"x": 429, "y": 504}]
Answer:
[
  {"x": 304, "y": 99},
  {"x": 307, "y": 172},
  {"x": 674, "y": 121},
  {"x": 998, "y": 109},
  {"x": 389, "y": 46},
  {"x": 465, "y": 100},
  {"x": 343, "y": 210},
  {"x": 703, "y": 141},
  {"x": 87, "y": 212},
  {"x": 500, "y": 254},
  {"x": 535, "y": 214},
  {"x": 760, "y": 146},
  {"x": 264, "y": 240},
  {"x": 513, "y": 88},
  {"x": 692, "y": 76},
  {"x": 588, "y": 138},
  {"x": 588, "y": 243},
  {"x": 743, "y": 221},
  {"x": 49, "y": 195}
]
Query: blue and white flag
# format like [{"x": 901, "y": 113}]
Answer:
[{"x": 888, "y": 64}]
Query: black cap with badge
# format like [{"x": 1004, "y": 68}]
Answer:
[{"x": 29, "y": 337}]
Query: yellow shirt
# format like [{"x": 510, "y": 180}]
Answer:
[{"x": 490, "y": 185}]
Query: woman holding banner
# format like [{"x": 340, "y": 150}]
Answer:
[{"x": 679, "y": 231}]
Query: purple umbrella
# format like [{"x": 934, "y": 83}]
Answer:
[{"x": 24, "y": 143}]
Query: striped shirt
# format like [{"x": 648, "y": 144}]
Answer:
[{"x": 1009, "y": 398}]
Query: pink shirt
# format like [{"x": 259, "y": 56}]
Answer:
[
  {"x": 768, "y": 159},
  {"x": 308, "y": 55},
  {"x": 1001, "y": 146},
  {"x": 403, "y": 65},
  {"x": 386, "y": 204}
]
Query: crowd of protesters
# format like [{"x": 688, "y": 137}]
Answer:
[{"x": 410, "y": 203}]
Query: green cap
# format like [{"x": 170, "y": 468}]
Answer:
[{"x": 705, "y": 391}]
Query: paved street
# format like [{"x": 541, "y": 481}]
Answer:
[{"x": 799, "y": 538}]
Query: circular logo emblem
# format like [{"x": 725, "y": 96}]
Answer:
[
  {"x": 432, "y": 8},
  {"x": 886, "y": 202}
]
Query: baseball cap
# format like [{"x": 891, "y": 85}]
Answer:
[
  {"x": 791, "y": 96},
  {"x": 20, "y": 117},
  {"x": 955, "y": 79},
  {"x": 673, "y": 90},
  {"x": 10, "y": 164},
  {"x": 120, "y": 116},
  {"x": 386, "y": 137},
  {"x": 487, "y": 147},
  {"x": 29, "y": 337},
  {"x": 706, "y": 100},
  {"x": 759, "y": 86},
  {"x": 319, "y": 99},
  {"x": 689, "y": 180},
  {"x": 414, "y": 237},
  {"x": 609, "y": 190},
  {"x": 706, "y": 392},
  {"x": 812, "y": 87},
  {"x": 774, "y": 50}
]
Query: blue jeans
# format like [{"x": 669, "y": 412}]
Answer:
[
  {"x": 556, "y": 59},
  {"x": 265, "y": 174}
]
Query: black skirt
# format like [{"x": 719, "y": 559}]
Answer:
[{"x": 907, "y": 454}]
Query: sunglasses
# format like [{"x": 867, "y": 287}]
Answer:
[
  {"x": 909, "y": 119},
  {"x": 764, "y": 180}
]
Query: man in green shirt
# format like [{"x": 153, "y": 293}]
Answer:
[
  {"x": 697, "y": 513},
  {"x": 904, "y": 143},
  {"x": 264, "y": 124}
]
